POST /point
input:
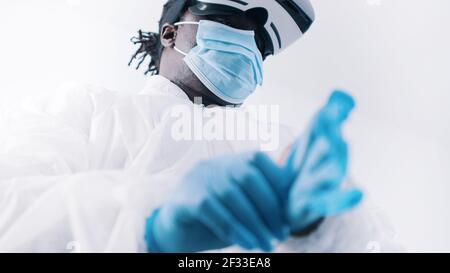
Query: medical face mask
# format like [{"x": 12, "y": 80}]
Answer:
[{"x": 226, "y": 60}]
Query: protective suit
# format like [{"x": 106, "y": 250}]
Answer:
[{"x": 83, "y": 171}]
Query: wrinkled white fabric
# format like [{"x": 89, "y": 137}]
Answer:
[{"x": 82, "y": 171}]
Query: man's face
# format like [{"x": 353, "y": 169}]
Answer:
[{"x": 172, "y": 65}]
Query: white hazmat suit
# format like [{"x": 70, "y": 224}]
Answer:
[{"x": 82, "y": 172}]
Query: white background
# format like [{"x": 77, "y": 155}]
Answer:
[{"x": 393, "y": 55}]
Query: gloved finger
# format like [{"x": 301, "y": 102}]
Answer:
[
  {"x": 274, "y": 174},
  {"x": 305, "y": 212},
  {"x": 300, "y": 215},
  {"x": 224, "y": 225},
  {"x": 328, "y": 167},
  {"x": 321, "y": 152},
  {"x": 326, "y": 148},
  {"x": 296, "y": 158},
  {"x": 327, "y": 127},
  {"x": 334, "y": 170},
  {"x": 332, "y": 116},
  {"x": 336, "y": 202},
  {"x": 339, "y": 107},
  {"x": 243, "y": 210},
  {"x": 259, "y": 191},
  {"x": 301, "y": 148},
  {"x": 328, "y": 122}
]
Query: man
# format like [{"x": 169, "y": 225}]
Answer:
[
  {"x": 96, "y": 171},
  {"x": 277, "y": 24}
]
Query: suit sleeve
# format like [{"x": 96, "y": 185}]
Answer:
[{"x": 59, "y": 189}]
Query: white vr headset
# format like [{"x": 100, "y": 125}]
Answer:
[{"x": 282, "y": 21}]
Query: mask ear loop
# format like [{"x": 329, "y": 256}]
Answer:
[
  {"x": 179, "y": 24},
  {"x": 179, "y": 51},
  {"x": 186, "y": 23}
]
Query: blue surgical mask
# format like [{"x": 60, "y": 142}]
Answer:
[{"x": 226, "y": 60}]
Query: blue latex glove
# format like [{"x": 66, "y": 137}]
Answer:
[
  {"x": 222, "y": 202},
  {"x": 318, "y": 166}
]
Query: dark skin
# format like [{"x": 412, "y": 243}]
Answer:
[{"x": 174, "y": 68}]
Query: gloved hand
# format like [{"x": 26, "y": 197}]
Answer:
[
  {"x": 249, "y": 200},
  {"x": 318, "y": 166},
  {"x": 222, "y": 202}
]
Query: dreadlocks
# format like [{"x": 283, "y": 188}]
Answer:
[
  {"x": 150, "y": 43},
  {"x": 149, "y": 47}
]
